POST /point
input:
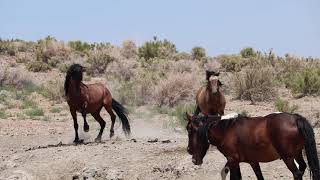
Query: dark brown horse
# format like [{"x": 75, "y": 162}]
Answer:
[
  {"x": 91, "y": 99},
  {"x": 209, "y": 99},
  {"x": 254, "y": 140}
]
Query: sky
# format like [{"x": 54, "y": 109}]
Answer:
[{"x": 220, "y": 26}]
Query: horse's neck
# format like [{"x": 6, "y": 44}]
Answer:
[
  {"x": 76, "y": 88},
  {"x": 215, "y": 135}
]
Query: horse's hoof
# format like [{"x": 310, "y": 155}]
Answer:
[
  {"x": 86, "y": 128},
  {"x": 97, "y": 140},
  {"x": 77, "y": 141},
  {"x": 111, "y": 134}
]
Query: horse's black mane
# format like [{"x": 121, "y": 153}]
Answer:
[
  {"x": 75, "y": 68},
  {"x": 209, "y": 121}
]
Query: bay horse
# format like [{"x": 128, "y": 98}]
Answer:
[
  {"x": 91, "y": 99},
  {"x": 255, "y": 139},
  {"x": 209, "y": 99}
]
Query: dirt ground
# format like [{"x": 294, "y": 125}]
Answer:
[{"x": 34, "y": 149}]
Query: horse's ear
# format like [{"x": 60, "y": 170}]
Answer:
[
  {"x": 208, "y": 74},
  {"x": 217, "y": 73},
  {"x": 188, "y": 116},
  {"x": 219, "y": 83}
]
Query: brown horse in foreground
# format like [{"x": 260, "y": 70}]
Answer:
[
  {"x": 90, "y": 99},
  {"x": 209, "y": 99},
  {"x": 254, "y": 140}
]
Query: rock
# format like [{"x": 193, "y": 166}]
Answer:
[
  {"x": 133, "y": 140},
  {"x": 166, "y": 141},
  {"x": 89, "y": 172},
  {"x": 113, "y": 174},
  {"x": 153, "y": 140}
]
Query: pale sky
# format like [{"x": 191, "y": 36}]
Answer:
[{"x": 287, "y": 26}]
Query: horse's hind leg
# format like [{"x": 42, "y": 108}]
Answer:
[
  {"x": 102, "y": 125},
  {"x": 85, "y": 123},
  {"x": 257, "y": 170},
  {"x": 297, "y": 175},
  {"x": 113, "y": 120},
  {"x": 301, "y": 162}
]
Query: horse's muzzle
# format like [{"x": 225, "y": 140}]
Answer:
[{"x": 197, "y": 162}]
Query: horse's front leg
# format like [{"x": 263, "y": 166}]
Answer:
[
  {"x": 75, "y": 125},
  {"x": 84, "y": 115},
  {"x": 257, "y": 170},
  {"x": 235, "y": 173},
  {"x": 224, "y": 172}
]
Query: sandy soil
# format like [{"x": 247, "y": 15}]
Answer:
[{"x": 32, "y": 149}]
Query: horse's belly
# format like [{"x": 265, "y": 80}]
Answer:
[{"x": 261, "y": 154}]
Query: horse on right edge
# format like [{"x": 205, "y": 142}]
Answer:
[{"x": 255, "y": 139}]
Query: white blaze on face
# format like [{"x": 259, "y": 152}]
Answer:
[{"x": 213, "y": 80}]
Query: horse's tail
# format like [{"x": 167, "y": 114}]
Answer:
[
  {"x": 306, "y": 131},
  {"x": 122, "y": 113}
]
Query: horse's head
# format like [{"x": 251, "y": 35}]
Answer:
[
  {"x": 197, "y": 137},
  {"x": 74, "y": 73},
  {"x": 213, "y": 81}
]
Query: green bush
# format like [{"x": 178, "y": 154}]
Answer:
[
  {"x": 3, "y": 114},
  {"x": 247, "y": 52},
  {"x": 35, "y": 112},
  {"x": 177, "y": 112},
  {"x": 79, "y": 46},
  {"x": 255, "y": 83},
  {"x": 232, "y": 63},
  {"x": 98, "y": 61},
  {"x": 156, "y": 48},
  {"x": 27, "y": 103},
  {"x": 283, "y": 106},
  {"x": 55, "y": 110},
  {"x": 198, "y": 53},
  {"x": 306, "y": 82},
  {"x": 38, "y": 66}
]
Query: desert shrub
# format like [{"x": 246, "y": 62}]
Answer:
[
  {"x": 55, "y": 110},
  {"x": 124, "y": 69},
  {"x": 176, "y": 88},
  {"x": 244, "y": 113},
  {"x": 129, "y": 49},
  {"x": 198, "y": 53},
  {"x": 3, "y": 114},
  {"x": 38, "y": 66},
  {"x": 34, "y": 112},
  {"x": 182, "y": 56},
  {"x": 14, "y": 77},
  {"x": 7, "y": 47},
  {"x": 126, "y": 93},
  {"x": 63, "y": 67},
  {"x": 284, "y": 106},
  {"x": 247, "y": 52},
  {"x": 306, "y": 82},
  {"x": 79, "y": 46},
  {"x": 255, "y": 83},
  {"x": 28, "y": 103},
  {"x": 231, "y": 63},
  {"x": 98, "y": 61},
  {"x": 156, "y": 48},
  {"x": 53, "y": 90},
  {"x": 179, "y": 111}
]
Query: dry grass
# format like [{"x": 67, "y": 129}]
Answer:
[
  {"x": 255, "y": 83},
  {"x": 176, "y": 88},
  {"x": 13, "y": 77}
]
